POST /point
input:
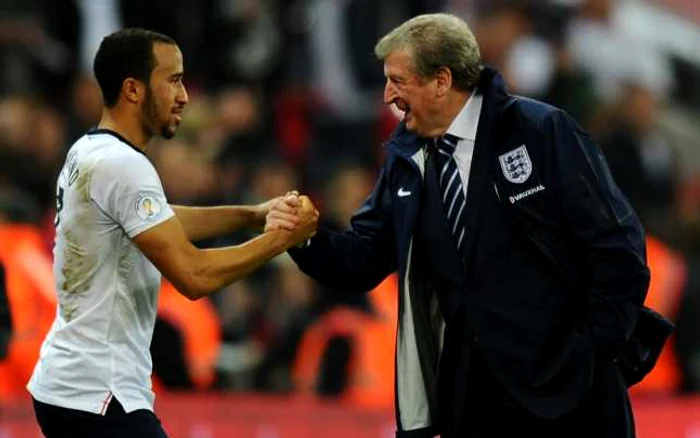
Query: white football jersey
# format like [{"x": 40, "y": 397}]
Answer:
[{"x": 98, "y": 347}]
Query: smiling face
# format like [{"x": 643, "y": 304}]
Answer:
[
  {"x": 166, "y": 96},
  {"x": 413, "y": 95}
]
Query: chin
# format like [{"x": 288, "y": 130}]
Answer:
[
  {"x": 411, "y": 127},
  {"x": 167, "y": 132}
]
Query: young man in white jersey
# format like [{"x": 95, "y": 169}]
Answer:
[{"x": 115, "y": 231}]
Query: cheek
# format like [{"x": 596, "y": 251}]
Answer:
[
  {"x": 163, "y": 103},
  {"x": 416, "y": 104},
  {"x": 413, "y": 98},
  {"x": 425, "y": 103},
  {"x": 163, "y": 96}
]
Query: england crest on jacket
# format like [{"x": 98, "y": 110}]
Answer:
[{"x": 516, "y": 165}]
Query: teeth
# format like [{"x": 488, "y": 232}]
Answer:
[{"x": 403, "y": 108}]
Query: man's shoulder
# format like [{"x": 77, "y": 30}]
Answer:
[
  {"x": 108, "y": 150},
  {"x": 106, "y": 158},
  {"x": 533, "y": 111}
]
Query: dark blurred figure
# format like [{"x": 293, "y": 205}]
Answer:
[
  {"x": 498, "y": 26},
  {"x": 178, "y": 158},
  {"x": 85, "y": 106},
  {"x": 345, "y": 351},
  {"x": 346, "y": 80},
  {"x": 688, "y": 324},
  {"x": 243, "y": 123},
  {"x": 264, "y": 315},
  {"x": 289, "y": 310},
  {"x": 27, "y": 292},
  {"x": 38, "y": 47},
  {"x": 669, "y": 287},
  {"x": 598, "y": 44},
  {"x": 32, "y": 147},
  {"x": 5, "y": 317},
  {"x": 296, "y": 306},
  {"x": 349, "y": 186},
  {"x": 186, "y": 342},
  {"x": 687, "y": 329},
  {"x": 641, "y": 160},
  {"x": 572, "y": 90},
  {"x": 570, "y": 87},
  {"x": 186, "y": 21}
]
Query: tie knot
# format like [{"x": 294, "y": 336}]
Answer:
[{"x": 447, "y": 144}]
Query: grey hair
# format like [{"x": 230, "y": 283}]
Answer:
[{"x": 435, "y": 41}]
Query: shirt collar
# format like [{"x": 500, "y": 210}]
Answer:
[{"x": 465, "y": 124}]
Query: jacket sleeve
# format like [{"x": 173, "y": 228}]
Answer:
[
  {"x": 359, "y": 258},
  {"x": 603, "y": 222}
]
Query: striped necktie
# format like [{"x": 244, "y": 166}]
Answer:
[{"x": 451, "y": 187}]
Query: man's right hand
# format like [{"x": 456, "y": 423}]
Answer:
[
  {"x": 308, "y": 222},
  {"x": 282, "y": 212},
  {"x": 293, "y": 215}
]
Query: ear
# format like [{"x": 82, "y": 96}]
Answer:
[
  {"x": 133, "y": 90},
  {"x": 443, "y": 81}
]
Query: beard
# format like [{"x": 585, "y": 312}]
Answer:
[
  {"x": 149, "y": 118},
  {"x": 167, "y": 132}
]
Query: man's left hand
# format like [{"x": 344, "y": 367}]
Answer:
[{"x": 282, "y": 212}]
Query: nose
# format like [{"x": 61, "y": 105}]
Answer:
[
  {"x": 389, "y": 92},
  {"x": 182, "y": 97}
]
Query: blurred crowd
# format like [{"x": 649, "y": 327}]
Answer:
[{"x": 287, "y": 94}]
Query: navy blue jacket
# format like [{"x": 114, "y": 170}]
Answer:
[{"x": 555, "y": 268}]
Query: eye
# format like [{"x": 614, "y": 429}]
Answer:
[{"x": 394, "y": 82}]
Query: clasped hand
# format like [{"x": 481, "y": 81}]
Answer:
[{"x": 295, "y": 214}]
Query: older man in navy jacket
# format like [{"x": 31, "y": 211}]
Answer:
[{"x": 522, "y": 265}]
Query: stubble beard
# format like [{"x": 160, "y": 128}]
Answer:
[{"x": 149, "y": 115}]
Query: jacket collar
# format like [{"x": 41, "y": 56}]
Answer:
[{"x": 403, "y": 142}]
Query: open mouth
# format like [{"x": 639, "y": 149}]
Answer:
[{"x": 402, "y": 106}]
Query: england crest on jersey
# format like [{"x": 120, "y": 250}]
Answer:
[{"x": 516, "y": 165}]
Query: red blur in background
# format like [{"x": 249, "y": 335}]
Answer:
[{"x": 214, "y": 416}]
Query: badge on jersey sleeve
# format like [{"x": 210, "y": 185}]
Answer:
[{"x": 148, "y": 207}]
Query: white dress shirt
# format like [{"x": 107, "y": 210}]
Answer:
[{"x": 464, "y": 128}]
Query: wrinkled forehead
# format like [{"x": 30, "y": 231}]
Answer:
[{"x": 398, "y": 62}]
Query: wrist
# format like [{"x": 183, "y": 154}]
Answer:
[
  {"x": 281, "y": 241},
  {"x": 256, "y": 215}
]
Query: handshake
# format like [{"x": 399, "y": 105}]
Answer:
[{"x": 292, "y": 215}]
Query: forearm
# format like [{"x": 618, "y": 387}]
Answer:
[
  {"x": 196, "y": 273},
  {"x": 216, "y": 268},
  {"x": 207, "y": 222}
]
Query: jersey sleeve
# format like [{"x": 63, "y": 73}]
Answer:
[{"x": 127, "y": 188}]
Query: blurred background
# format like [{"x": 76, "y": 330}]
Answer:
[{"x": 286, "y": 94}]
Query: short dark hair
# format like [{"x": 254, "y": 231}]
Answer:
[{"x": 126, "y": 53}]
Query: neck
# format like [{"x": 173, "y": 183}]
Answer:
[
  {"x": 449, "y": 110},
  {"x": 126, "y": 125}
]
